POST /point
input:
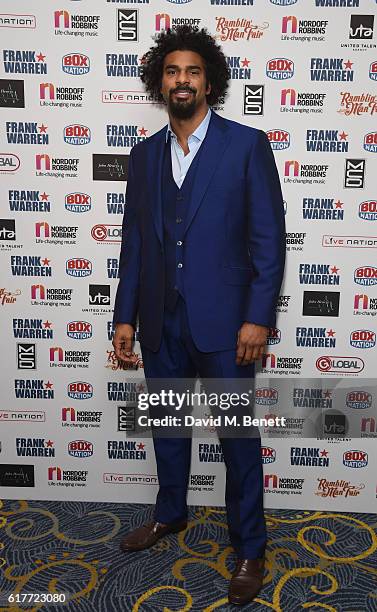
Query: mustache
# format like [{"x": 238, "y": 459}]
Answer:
[{"x": 177, "y": 89}]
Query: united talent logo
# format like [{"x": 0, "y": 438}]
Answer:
[
  {"x": 24, "y": 62},
  {"x": 253, "y": 99},
  {"x": 75, "y": 64},
  {"x": 331, "y": 69},
  {"x": 99, "y": 295},
  {"x": 361, "y": 27},
  {"x": 12, "y": 94},
  {"x": 239, "y": 29}
]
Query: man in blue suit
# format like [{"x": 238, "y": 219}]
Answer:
[{"x": 201, "y": 265}]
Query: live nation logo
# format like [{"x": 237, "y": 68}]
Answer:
[{"x": 253, "y": 99}]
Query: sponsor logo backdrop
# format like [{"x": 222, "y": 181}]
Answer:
[{"x": 72, "y": 108}]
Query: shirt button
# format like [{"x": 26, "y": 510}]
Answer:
[
  {"x": 179, "y": 243},
  {"x": 180, "y": 265},
  {"x": 178, "y": 220},
  {"x": 179, "y": 197}
]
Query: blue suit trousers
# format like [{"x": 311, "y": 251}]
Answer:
[{"x": 179, "y": 358}]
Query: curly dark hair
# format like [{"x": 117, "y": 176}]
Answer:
[{"x": 186, "y": 38}]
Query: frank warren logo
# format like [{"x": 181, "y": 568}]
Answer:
[
  {"x": 24, "y": 62},
  {"x": 33, "y": 388},
  {"x": 34, "y": 447},
  {"x": 123, "y": 65},
  {"x": 22, "y": 133},
  {"x": 331, "y": 69},
  {"x": 28, "y": 201},
  {"x": 125, "y": 135},
  {"x": 307, "y": 397},
  {"x": 327, "y": 209},
  {"x": 326, "y": 141},
  {"x": 32, "y": 328}
]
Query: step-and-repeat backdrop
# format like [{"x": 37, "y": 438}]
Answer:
[{"x": 72, "y": 107}]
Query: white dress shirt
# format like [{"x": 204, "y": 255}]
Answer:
[{"x": 179, "y": 161}]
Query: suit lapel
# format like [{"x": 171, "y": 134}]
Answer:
[
  {"x": 211, "y": 151},
  {"x": 155, "y": 161}
]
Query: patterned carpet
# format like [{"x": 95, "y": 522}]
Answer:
[{"x": 315, "y": 560}]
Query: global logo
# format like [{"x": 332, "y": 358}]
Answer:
[
  {"x": 79, "y": 330},
  {"x": 80, "y": 390},
  {"x": 274, "y": 336},
  {"x": 368, "y": 210},
  {"x": 107, "y": 233},
  {"x": 363, "y": 338},
  {"x": 366, "y": 276},
  {"x": 279, "y": 139},
  {"x": 80, "y": 448},
  {"x": 266, "y": 396},
  {"x": 78, "y": 202},
  {"x": 373, "y": 71},
  {"x": 355, "y": 459},
  {"x": 75, "y": 64},
  {"x": 78, "y": 267},
  {"x": 359, "y": 400},
  {"x": 280, "y": 68},
  {"x": 9, "y": 162},
  {"x": 268, "y": 454},
  {"x": 334, "y": 364},
  {"x": 77, "y": 134},
  {"x": 370, "y": 142}
]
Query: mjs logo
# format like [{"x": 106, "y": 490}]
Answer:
[
  {"x": 76, "y": 64},
  {"x": 24, "y": 62}
]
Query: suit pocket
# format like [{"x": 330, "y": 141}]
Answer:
[{"x": 237, "y": 276}]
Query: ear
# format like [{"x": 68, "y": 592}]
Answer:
[{"x": 209, "y": 88}]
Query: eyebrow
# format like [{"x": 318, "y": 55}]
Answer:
[{"x": 176, "y": 66}]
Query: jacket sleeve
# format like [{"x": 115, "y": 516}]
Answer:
[
  {"x": 127, "y": 296},
  {"x": 266, "y": 234}
]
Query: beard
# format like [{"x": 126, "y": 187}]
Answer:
[{"x": 182, "y": 109}]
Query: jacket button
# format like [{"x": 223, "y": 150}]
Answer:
[
  {"x": 178, "y": 220},
  {"x": 180, "y": 265}
]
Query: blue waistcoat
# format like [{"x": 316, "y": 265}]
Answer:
[{"x": 175, "y": 201}]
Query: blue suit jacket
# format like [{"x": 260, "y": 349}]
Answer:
[{"x": 234, "y": 241}]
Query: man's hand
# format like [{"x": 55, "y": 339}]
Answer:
[
  {"x": 251, "y": 343},
  {"x": 122, "y": 341}
]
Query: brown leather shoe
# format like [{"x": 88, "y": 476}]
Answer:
[
  {"x": 147, "y": 535},
  {"x": 247, "y": 581}
]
